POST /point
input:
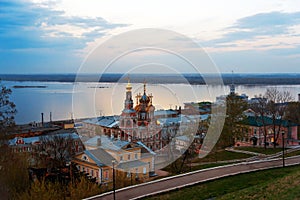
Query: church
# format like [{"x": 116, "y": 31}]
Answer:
[{"x": 138, "y": 123}]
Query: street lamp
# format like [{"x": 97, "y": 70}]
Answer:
[
  {"x": 114, "y": 183},
  {"x": 283, "y": 164},
  {"x": 149, "y": 169}
]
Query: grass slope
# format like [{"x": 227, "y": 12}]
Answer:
[{"x": 280, "y": 183}]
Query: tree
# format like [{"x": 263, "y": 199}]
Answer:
[
  {"x": 7, "y": 112},
  {"x": 55, "y": 151},
  {"x": 272, "y": 105},
  {"x": 260, "y": 109},
  {"x": 276, "y": 107},
  {"x": 13, "y": 167},
  {"x": 234, "y": 114},
  {"x": 293, "y": 112}
]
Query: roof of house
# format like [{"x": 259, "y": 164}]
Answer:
[
  {"x": 258, "y": 121},
  {"x": 174, "y": 120},
  {"x": 100, "y": 157},
  {"x": 105, "y": 121},
  {"x": 32, "y": 140},
  {"x": 145, "y": 150},
  {"x": 109, "y": 143}
]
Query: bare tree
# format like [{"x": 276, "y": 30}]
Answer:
[
  {"x": 273, "y": 106},
  {"x": 56, "y": 150},
  {"x": 276, "y": 108},
  {"x": 260, "y": 109}
]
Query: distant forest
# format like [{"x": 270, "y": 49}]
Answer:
[{"x": 239, "y": 79}]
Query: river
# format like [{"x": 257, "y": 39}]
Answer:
[{"x": 78, "y": 100}]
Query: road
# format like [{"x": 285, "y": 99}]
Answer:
[{"x": 183, "y": 180}]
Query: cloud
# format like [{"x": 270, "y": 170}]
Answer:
[
  {"x": 272, "y": 23},
  {"x": 28, "y": 25},
  {"x": 261, "y": 32},
  {"x": 28, "y": 30}
]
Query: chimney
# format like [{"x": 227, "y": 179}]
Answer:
[
  {"x": 50, "y": 117},
  {"x": 42, "y": 119},
  {"x": 99, "y": 141}
]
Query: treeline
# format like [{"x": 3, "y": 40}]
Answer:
[{"x": 240, "y": 79}]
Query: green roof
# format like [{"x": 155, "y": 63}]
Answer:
[{"x": 258, "y": 121}]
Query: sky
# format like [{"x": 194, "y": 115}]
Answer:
[{"x": 57, "y": 36}]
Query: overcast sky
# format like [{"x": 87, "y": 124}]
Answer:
[{"x": 55, "y": 36}]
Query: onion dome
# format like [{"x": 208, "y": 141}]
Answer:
[
  {"x": 144, "y": 98},
  {"x": 128, "y": 86}
]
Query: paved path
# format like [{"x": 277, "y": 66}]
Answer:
[{"x": 179, "y": 181}]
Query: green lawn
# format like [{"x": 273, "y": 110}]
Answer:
[
  {"x": 280, "y": 183},
  {"x": 294, "y": 153},
  {"x": 222, "y": 156},
  {"x": 262, "y": 150}
]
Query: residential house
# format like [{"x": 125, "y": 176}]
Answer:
[
  {"x": 252, "y": 129},
  {"x": 135, "y": 160},
  {"x": 28, "y": 144}
]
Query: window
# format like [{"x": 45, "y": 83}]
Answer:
[
  {"x": 128, "y": 174},
  {"x": 136, "y": 156},
  {"x": 121, "y": 158},
  {"x": 144, "y": 170},
  {"x": 128, "y": 156},
  {"x": 106, "y": 174},
  {"x": 84, "y": 157},
  {"x": 92, "y": 172}
]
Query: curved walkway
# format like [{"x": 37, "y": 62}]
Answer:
[{"x": 192, "y": 178}]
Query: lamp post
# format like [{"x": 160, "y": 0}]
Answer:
[
  {"x": 114, "y": 183},
  {"x": 283, "y": 164},
  {"x": 149, "y": 169}
]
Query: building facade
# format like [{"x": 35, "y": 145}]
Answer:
[
  {"x": 252, "y": 132},
  {"x": 131, "y": 160}
]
